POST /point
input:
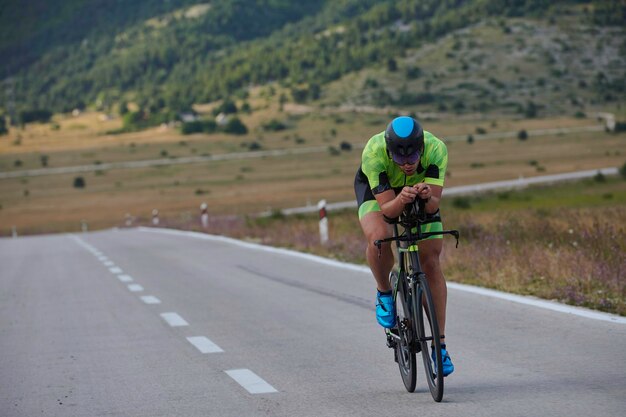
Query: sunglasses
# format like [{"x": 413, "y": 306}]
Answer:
[{"x": 405, "y": 159}]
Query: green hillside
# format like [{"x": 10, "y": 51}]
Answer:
[{"x": 462, "y": 56}]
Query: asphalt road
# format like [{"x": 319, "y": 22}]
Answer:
[{"x": 139, "y": 323}]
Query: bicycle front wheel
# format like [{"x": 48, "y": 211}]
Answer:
[
  {"x": 428, "y": 337},
  {"x": 405, "y": 351}
]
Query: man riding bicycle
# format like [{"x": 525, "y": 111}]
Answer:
[{"x": 397, "y": 166}]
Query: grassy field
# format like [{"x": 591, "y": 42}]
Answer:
[{"x": 52, "y": 204}]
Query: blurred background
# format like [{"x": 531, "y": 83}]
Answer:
[{"x": 117, "y": 114}]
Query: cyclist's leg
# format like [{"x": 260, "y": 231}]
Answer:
[{"x": 374, "y": 227}]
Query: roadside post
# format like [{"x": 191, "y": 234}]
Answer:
[
  {"x": 83, "y": 226},
  {"x": 204, "y": 215},
  {"x": 155, "y": 217},
  {"x": 321, "y": 207},
  {"x": 129, "y": 220},
  {"x": 14, "y": 231}
]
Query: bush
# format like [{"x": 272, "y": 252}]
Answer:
[
  {"x": 274, "y": 125},
  {"x": 622, "y": 171},
  {"x": 345, "y": 146},
  {"x": 522, "y": 135},
  {"x": 3, "y": 126},
  {"x": 235, "y": 126},
  {"x": 599, "y": 177},
  {"x": 254, "y": 146},
  {"x": 470, "y": 139},
  {"x": 39, "y": 115},
  {"x": 462, "y": 202},
  {"x": 198, "y": 126},
  {"x": 227, "y": 107},
  {"x": 79, "y": 182}
]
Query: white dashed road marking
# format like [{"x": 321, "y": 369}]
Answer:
[
  {"x": 174, "y": 320},
  {"x": 116, "y": 270},
  {"x": 253, "y": 383},
  {"x": 150, "y": 299},
  {"x": 108, "y": 263},
  {"x": 125, "y": 278},
  {"x": 204, "y": 345},
  {"x": 135, "y": 287}
]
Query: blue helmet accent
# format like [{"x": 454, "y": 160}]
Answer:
[
  {"x": 404, "y": 136},
  {"x": 403, "y": 126}
]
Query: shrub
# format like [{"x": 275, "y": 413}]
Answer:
[
  {"x": 44, "y": 160},
  {"x": 599, "y": 177},
  {"x": 470, "y": 139},
  {"x": 39, "y": 115},
  {"x": 481, "y": 130},
  {"x": 274, "y": 125},
  {"x": 413, "y": 72},
  {"x": 79, "y": 182},
  {"x": 3, "y": 126},
  {"x": 254, "y": 146},
  {"x": 17, "y": 163},
  {"x": 227, "y": 107},
  {"x": 235, "y": 126},
  {"x": 345, "y": 146},
  {"x": 522, "y": 135},
  {"x": 199, "y": 126},
  {"x": 462, "y": 202},
  {"x": 622, "y": 171}
]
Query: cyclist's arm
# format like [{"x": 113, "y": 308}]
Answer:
[
  {"x": 391, "y": 204},
  {"x": 432, "y": 193}
]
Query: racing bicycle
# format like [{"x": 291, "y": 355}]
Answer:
[{"x": 416, "y": 323}]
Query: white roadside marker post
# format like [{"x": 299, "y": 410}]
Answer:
[
  {"x": 155, "y": 217},
  {"x": 83, "y": 226},
  {"x": 321, "y": 207},
  {"x": 129, "y": 220},
  {"x": 204, "y": 215},
  {"x": 14, "y": 231}
]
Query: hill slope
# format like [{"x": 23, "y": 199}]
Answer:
[{"x": 166, "y": 56}]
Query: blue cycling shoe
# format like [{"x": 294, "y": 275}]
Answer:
[
  {"x": 385, "y": 310},
  {"x": 448, "y": 367}
]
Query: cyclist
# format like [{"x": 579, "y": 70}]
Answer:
[{"x": 398, "y": 165}]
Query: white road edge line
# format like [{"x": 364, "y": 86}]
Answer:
[
  {"x": 252, "y": 383},
  {"x": 150, "y": 299},
  {"x": 527, "y": 300},
  {"x": 174, "y": 320},
  {"x": 204, "y": 345}
]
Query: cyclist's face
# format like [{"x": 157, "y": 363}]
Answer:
[{"x": 408, "y": 169}]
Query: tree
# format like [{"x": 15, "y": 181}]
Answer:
[
  {"x": 79, "y": 182},
  {"x": 522, "y": 135},
  {"x": 235, "y": 126},
  {"x": 3, "y": 126}
]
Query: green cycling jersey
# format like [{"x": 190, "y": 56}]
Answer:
[{"x": 383, "y": 174}]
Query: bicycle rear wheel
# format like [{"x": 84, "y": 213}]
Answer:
[
  {"x": 405, "y": 351},
  {"x": 428, "y": 336}
]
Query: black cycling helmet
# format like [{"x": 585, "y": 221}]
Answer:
[{"x": 405, "y": 139}]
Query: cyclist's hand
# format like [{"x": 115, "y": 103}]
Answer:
[
  {"x": 423, "y": 191},
  {"x": 407, "y": 195}
]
